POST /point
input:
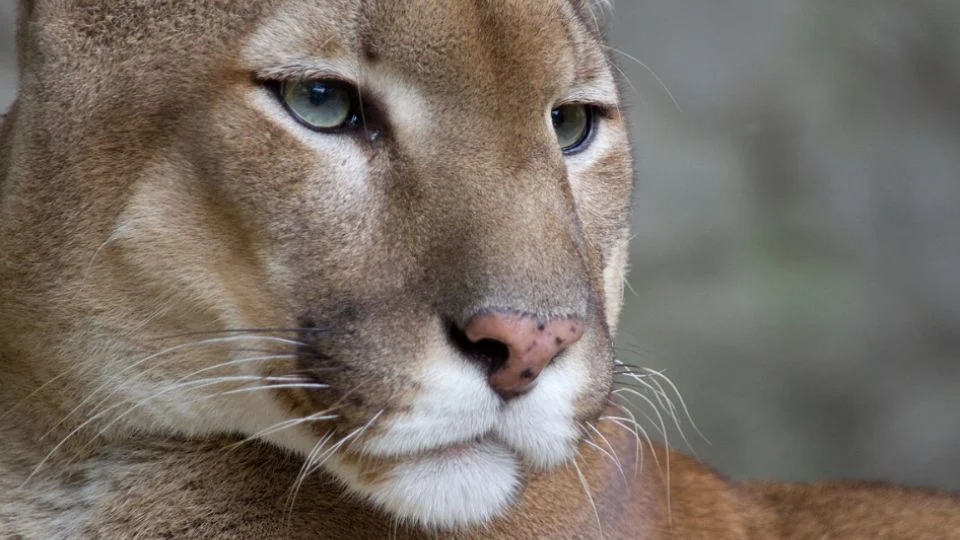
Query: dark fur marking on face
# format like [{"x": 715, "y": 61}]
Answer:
[{"x": 311, "y": 358}]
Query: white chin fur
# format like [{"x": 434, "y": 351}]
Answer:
[
  {"x": 477, "y": 480},
  {"x": 460, "y": 487}
]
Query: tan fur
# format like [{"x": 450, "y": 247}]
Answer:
[{"x": 159, "y": 211}]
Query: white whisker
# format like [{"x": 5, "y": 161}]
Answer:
[
  {"x": 114, "y": 235},
  {"x": 317, "y": 416},
  {"x": 660, "y": 425},
  {"x": 191, "y": 385},
  {"x": 664, "y": 471},
  {"x": 649, "y": 70},
  {"x": 626, "y": 282},
  {"x": 352, "y": 435},
  {"x": 664, "y": 401},
  {"x": 314, "y": 461},
  {"x": 586, "y": 490},
  {"x": 653, "y": 406},
  {"x": 302, "y": 474},
  {"x": 613, "y": 451},
  {"x": 663, "y": 432},
  {"x": 683, "y": 404},
  {"x": 637, "y": 430},
  {"x": 312, "y": 386},
  {"x": 204, "y": 383},
  {"x": 176, "y": 348},
  {"x": 286, "y": 424},
  {"x": 610, "y": 456},
  {"x": 658, "y": 392},
  {"x": 119, "y": 388}
]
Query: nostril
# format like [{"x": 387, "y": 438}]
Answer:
[{"x": 488, "y": 353}]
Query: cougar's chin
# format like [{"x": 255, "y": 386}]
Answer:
[
  {"x": 469, "y": 481},
  {"x": 455, "y": 455},
  {"x": 451, "y": 487}
]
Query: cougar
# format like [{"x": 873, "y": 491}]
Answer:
[{"x": 339, "y": 269}]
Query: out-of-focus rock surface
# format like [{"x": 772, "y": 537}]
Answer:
[{"x": 796, "y": 264}]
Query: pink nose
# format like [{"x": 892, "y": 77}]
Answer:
[{"x": 531, "y": 344}]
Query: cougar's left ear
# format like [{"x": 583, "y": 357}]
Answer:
[
  {"x": 592, "y": 12},
  {"x": 24, "y": 15}
]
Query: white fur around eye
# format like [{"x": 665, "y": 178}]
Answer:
[{"x": 597, "y": 147}]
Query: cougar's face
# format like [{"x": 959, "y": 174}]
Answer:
[{"x": 386, "y": 235}]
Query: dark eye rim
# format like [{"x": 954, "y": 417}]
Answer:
[
  {"x": 354, "y": 120},
  {"x": 593, "y": 112}
]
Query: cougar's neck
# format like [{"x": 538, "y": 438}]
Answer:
[{"x": 614, "y": 491}]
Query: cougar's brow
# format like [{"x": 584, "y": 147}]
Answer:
[{"x": 305, "y": 71}]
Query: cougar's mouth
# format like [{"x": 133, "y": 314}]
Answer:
[
  {"x": 453, "y": 451},
  {"x": 456, "y": 453},
  {"x": 443, "y": 426}
]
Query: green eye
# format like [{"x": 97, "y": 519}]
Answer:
[
  {"x": 321, "y": 105},
  {"x": 572, "y": 123}
]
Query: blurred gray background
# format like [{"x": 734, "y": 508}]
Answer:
[{"x": 796, "y": 262}]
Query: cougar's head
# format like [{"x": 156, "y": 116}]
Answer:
[{"x": 389, "y": 236}]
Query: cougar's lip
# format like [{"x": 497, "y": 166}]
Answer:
[
  {"x": 450, "y": 449},
  {"x": 453, "y": 450},
  {"x": 459, "y": 449},
  {"x": 447, "y": 449}
]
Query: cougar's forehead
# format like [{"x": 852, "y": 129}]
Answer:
[
  {"x": 476, "y": 49},
  {"x": 496, "y": 55}
]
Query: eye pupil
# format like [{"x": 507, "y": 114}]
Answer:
[
  {"x": 319, "y": 94},
  {"x": 572, "y": 124},
  {"x": 321, "y": 105},
  {"x": 557, "y": 117}
]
